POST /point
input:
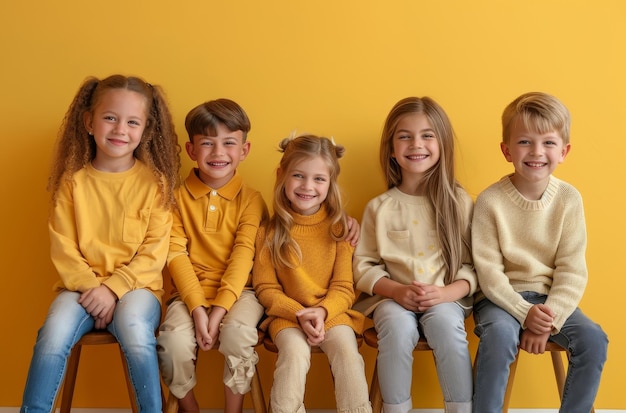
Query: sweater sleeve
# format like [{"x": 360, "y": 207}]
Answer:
[
  {"x": 180, "y": 266},
  {"x": 340, "y": 296},
  {"x": 267, "y": 286},
  {"x": 239, "y": 264},
  {"x": 489, "y": 263},
  {"x": 73, "y": 268},
  {"x": 570, "y": 273},
  {"x": 368, "y": 265},
  {"x": 466, "y": 272}
]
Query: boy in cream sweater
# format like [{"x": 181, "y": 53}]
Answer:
[{"x": 529, "y": 240}]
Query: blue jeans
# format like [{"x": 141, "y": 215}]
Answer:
[
  {"x": 444, "y": 328},
  {"x": 136, "y": 317},
  {"x": 499, "y": 334}
]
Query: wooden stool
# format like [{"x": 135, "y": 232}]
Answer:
[
  {"x": 559, "y": 373},
  {"x": 371, "y": 339},
  {"x": 256, "y": 391},
  {"x": 271, "y": 346},
  {"x": 95, "y": 337}
]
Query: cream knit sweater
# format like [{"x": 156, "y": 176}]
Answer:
[{"x": 521, "y": 245}]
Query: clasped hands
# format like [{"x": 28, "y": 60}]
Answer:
[{"x": 539, "y": 325}]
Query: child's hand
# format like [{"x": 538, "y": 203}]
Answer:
[
  {"x": 312, "y": 322},
  {"x": 100, "y": 303},
  {"x": 407, "y": 296},
  {"x": 201, "y": 324},
  {"x": 354, "y": 231},
  {"x": 533, "y": 343},
  {"x": 428, "y": 295},
  {"x": 215, "y": 319},
  {"x": 539, "y": 319}
]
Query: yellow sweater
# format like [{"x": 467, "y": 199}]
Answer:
[
  {"x": 212, "y": 242},
  {"x": 110, "y": 228},
  {"x": 323, "y": 279}
]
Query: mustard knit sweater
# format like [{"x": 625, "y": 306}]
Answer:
[
  {"x": 521, "y": 245},
  {"x": 323, "y": 278}
]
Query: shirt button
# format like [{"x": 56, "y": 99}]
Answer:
[
  {"x": 213, "y": 193},
  {"x": 212, "y": 208}
]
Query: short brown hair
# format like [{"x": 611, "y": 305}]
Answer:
[{"x": 204, "y": 118}]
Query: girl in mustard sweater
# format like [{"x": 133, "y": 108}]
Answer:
[
  {"x": 303, "y": 276},
  {"x": 112, "y": 187}
]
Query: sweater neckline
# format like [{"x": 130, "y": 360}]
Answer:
[
  {"x": 138, "y": 165},
  {"x": 518, "y": 199},
  {"x": 407, "y": 198},
  {"x": 308, "y": 220}
]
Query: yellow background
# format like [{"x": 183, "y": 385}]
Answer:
[{"x": 331, "y": 68}]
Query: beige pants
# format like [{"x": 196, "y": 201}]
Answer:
[
  {"x": 294, "y": 360},
  {"x": 177, "y": 348}
]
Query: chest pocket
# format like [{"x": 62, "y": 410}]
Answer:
[{"x": 135, "y": 226}]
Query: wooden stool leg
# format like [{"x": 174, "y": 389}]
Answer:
[
  {"x": 70, "y": 379},
  {"x": 129, "y": 384},
  {"x": 559, "y": 371},
  {"x": 509, "y": 385},
  {"x": 256, "y": 393},
  {"x": 375, "y": 396},
  {"x": 172, "y": 404}
]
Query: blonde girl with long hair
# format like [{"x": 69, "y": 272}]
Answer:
[
  {"x": 303, "y": 276},
  {"x": 413, "y": 262},
  {"x": 111, "y": 185}
]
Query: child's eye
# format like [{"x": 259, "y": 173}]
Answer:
[
  {"x": 428, "y": 136},
  {"x": 523, "y": 142},
  {"x": 206, "y": 143},
  {"x": 134, "y": 123},
  {"x": 550, "y": 143},
  {"x": 230, "y": 143},
  {"x": 404, "y": 137},
  {"x": 320, "y": 179},
  {"x": 111, "y": 118}
]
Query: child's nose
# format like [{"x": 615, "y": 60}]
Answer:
[
  {"x": 120, "y": 128},
  {"x": 417, "y": 142},
  {"x": 536, "y": 149}
]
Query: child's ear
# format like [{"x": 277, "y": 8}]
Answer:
[
  {"x": 565, "y": 151},
  {"x": 190, "y": 150},
  {"x": 88, "y": 122},
  {"x": 505, "y": 151},
  {"x": 245, "y": 150}
]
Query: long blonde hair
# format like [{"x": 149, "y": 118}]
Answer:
[
  {"x": 158, "y": 148},
  {"x": 442, "y": 189},
  {"x": 283, "y": 249}
]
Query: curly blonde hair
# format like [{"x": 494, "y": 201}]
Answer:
[
  {"x": 295, "y": 149},
  {"x": 158, "y": 149}
]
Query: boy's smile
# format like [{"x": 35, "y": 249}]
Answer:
[{"x": 218, "y": 156}]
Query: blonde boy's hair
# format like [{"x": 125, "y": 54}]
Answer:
[{"x": 540, "y": 113}]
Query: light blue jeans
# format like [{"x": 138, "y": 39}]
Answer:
[
  {"x": 499, "y": 334},
  {"x": 444, "y": 328},
  {"x": 136, "y": 317}
]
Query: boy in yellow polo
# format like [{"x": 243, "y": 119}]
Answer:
[{"x": 210, "y": 258}]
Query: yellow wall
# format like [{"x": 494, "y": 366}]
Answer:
[{"x": 327, "y": 67}]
